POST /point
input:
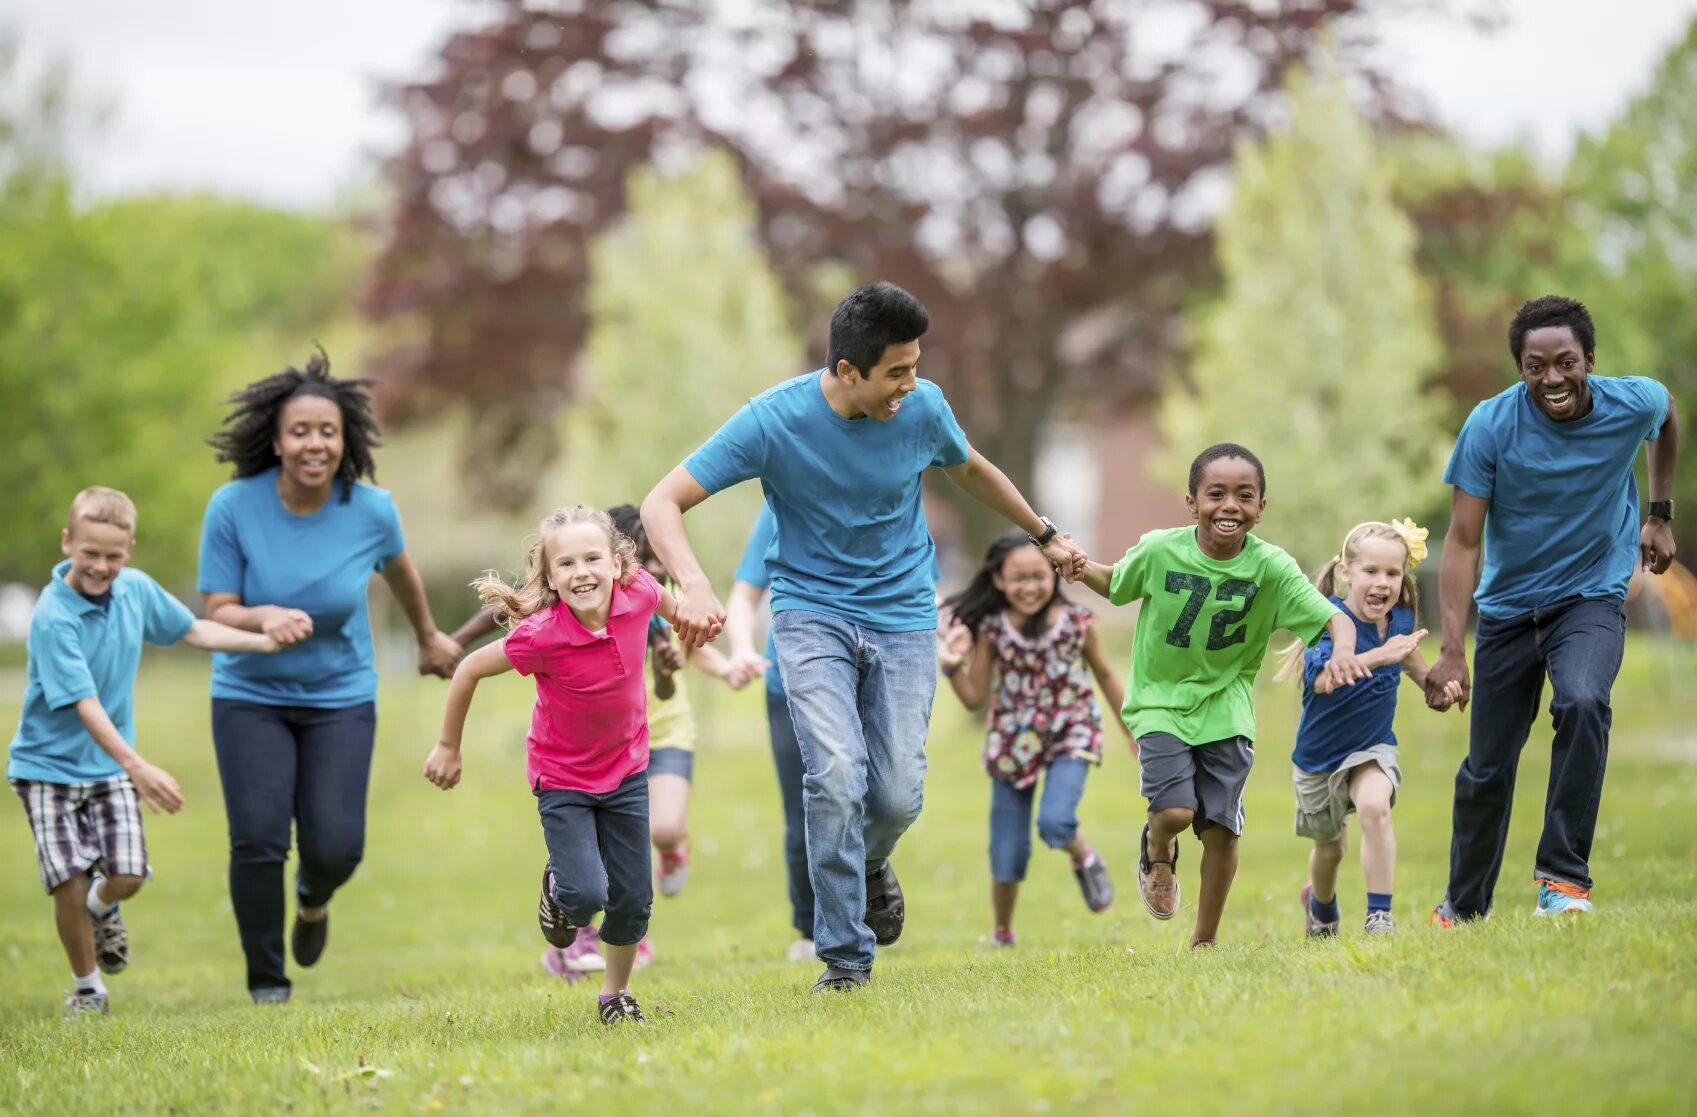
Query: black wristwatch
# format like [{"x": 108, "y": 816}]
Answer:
[
  {"x": 1661, "y": 510},
  {"x": 1049, "y": 532}
]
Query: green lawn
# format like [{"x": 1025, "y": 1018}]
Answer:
[{"x": 430, "y": 997}]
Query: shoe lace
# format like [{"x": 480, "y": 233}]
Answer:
[{"x": 1566, "y": 889}]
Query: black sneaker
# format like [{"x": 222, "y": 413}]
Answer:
[
  {"x": 111, "y": 938},
  {"x": 307, "y": 940},
  {"x": 623, "y": 1006},
  {"x": 885, "y": 908},
  {"x": 551, "y": 917},
  {"x": 836, "y": 979},
  {"x": 1094, "y": 883}
]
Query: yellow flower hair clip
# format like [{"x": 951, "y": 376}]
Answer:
[{"x": 1413, "y": 537}]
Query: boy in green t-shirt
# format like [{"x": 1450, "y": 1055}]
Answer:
[{"x": 1212, "y": 595}]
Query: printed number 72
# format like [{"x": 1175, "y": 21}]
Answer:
[{"x": 1198, "y": 588}]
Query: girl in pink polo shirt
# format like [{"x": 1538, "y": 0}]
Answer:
[{"x": 579, "y": 624}]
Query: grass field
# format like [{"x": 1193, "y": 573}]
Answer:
[{"x": 430, "y": 997}]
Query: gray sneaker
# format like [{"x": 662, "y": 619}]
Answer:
[
  {"x": 1094, "y": 883},
  {"x": 1379, "y": 923},
  {"x": 1313, "y": 926},
  {"x": 836, "y": 979},
  {"x": 78, "y": 1003},
  {"x": 111, "y": 938}
]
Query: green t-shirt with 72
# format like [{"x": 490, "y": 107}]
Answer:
[{"x": 1203, "y": 631}]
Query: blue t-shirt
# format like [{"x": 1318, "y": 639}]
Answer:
[
  {"x": 321, "y": 564},
  {"x": 1563, "y": 515},
  {"x": 1350, "y": 718},
  {"x": 852, "y": 540},
  {"x": 79, "y": 649}
]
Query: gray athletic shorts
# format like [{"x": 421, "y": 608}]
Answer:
[
  {"x": 1322, "y": 798},
  {"x": 1207, "y": 779}
]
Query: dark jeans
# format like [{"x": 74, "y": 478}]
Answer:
[
  {"x": 1578, "y": 644},
  {"x": 598, "y": 847},
  {"x": 786, "y": 757},
  {"x": 1057, "y": 816},
  {"x": 283, "y": 764}
]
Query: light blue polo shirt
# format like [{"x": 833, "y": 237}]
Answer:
[
  {"x": 320, "y": 563},
  {"x": 1563, "y": 515},
  {"x": 852, "y": 540},
  {"x": 77, "y": 650}
]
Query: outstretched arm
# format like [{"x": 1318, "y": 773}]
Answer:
[
  {"x": 210, "y": 636},
  {"x": 437, "y": 653},
  {"x": 442, "y": 767},
  {"x": 1112, "y": 689},
  {"x": 1097, "y": 576},
  {"x": 991, "y": 488},
  {"x": 1457, "y": 579},
  {"x": 1655, "y": 541},
  {"x": 746, "y": 662},
  {"x": 699, "y": 614},
  {"x": 476, "y": 626}
]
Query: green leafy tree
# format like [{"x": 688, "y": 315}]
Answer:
[
  {"x": 1318, "y": 352},
  {"x": 686, "y": 318},
  {"x": 1636, "y": 187}
]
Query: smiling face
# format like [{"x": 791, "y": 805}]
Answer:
[
  {"x": 581, "y": 568},
  {"x": 97, "y": 552},
  {"x": 1557, "y": 372},
  {"x": 1226, "y": 504},
  {"x": 1374, "y": 574},
  {"x": 1027, "y": 580},
  {"x": 309, "y": 441},
  {"x": 880, "y": 392}
]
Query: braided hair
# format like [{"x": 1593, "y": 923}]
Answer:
[{"x": 246, "y": 439}]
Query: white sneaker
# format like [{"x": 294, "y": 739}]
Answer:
[{"x": 801, "y": 950}]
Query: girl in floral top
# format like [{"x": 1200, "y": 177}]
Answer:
[{"x": 1013, "y": 619}]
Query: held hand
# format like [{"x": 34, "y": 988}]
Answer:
[
  {"x": 1345, "y": 669},
  {"x": 668, "y": 660},
  {"x": 442, "y": 767},
  {"x": 156, "y": 788},
  {"x": 700, "y": 616},
  {"x": 1655, "y": 546},
  {"x": 438, "y": 655},
  {"x": 954, "y": 644},
  {"x": 1064, "y": 555},
  {"x": 1450, "y": 671},
  {"x": 286, "y": 626},
  {"x": 1398, "y": 648},
  {"x": 268, "y": 646},
  {"x": 744, "y": 669}
]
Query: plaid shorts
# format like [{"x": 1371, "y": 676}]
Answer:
[{"x": 79, "y": 826}]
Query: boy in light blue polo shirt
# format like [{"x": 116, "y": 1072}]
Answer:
[{"x": 73, "y": 761}]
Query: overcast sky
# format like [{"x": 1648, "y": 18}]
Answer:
[{"x": 277, "y": 102}]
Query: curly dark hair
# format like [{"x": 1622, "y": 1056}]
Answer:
[
  {"x": 248, "y": 432},
  {"x": 1552, "y": 310},
  {"x": 1219, "y": 452}
]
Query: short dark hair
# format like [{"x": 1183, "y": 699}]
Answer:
[
  {"x": 1551, "y": 310},
  {"x": 627, "y": 521},
  {"x": 871, "y": 319},
  {"x": 246, "y": 437},
  {"x": 1225, "y": 450}
]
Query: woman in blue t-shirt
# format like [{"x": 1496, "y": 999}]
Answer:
[
  {"x": 1345, "y": 758},
  {"x": 288, "y": 549}
]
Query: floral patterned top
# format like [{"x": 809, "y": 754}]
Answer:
[{"x": 1045, "y": 707}]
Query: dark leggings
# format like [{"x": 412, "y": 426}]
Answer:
[{"x": 281, "y": 765}]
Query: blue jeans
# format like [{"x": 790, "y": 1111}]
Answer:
[
  {"x": 1578, "y": 644},
  {"x": 861, "y": 701},
  {"x": 786, "y": 758},
  {"x": 1057, "y": 816},
  {"x": 280, "y": 765},
  {"x": 598, "y": 848}
]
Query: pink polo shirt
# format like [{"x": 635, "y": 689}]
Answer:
[{"x": 589, "y": 731}]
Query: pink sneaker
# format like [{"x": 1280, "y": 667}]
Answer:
[
  {"x": 554, "y": 961},
  {"x": 644, "y": 953},
  {"x": 1004, "y": 938},
  {"x": 584, "y": 954},
  {"x": 674, "y": 870}
]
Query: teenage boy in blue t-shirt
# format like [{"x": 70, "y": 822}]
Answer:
[
  {"x": 840, "y": 454},
  {"x": 1544, "y": 489},
  {"x": 73, "y": 760}
]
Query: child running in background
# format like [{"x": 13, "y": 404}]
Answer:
[
  {"x": 1212, "y": 595},
  {"x": 1346, "y": 752},
  {"x": 73, "y": 760},
  {"x": 578, "y": 623},
  {"x": 1013, "y": 620}
]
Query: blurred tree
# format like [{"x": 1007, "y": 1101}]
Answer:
[
  {"x": 673, "y": 348},
  {"x": 1041, "y": 175},
  {"x": 1318, "y": 354},
  {"x": 1637, "y": 191}
]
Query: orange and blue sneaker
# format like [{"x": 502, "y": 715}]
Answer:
[
  {"x": 1443, "y": 917},
  {"x": 1557, "y": 897}
]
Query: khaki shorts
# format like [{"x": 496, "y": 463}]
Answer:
[{"x": 1322, "y": 798}]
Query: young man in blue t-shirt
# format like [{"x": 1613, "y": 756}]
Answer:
[
  {"x": 1543, "y": 474},
  {"x": 840, "y": 454},
  {"x": 73, "y": 760}
]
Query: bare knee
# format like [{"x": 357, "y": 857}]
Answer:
[
  {"x": 1171, "y": 820},
  {"x": 1375, "y": 814},
  {"x": 1330, "y": 853},
  {"x": 121, "y": 887}
]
